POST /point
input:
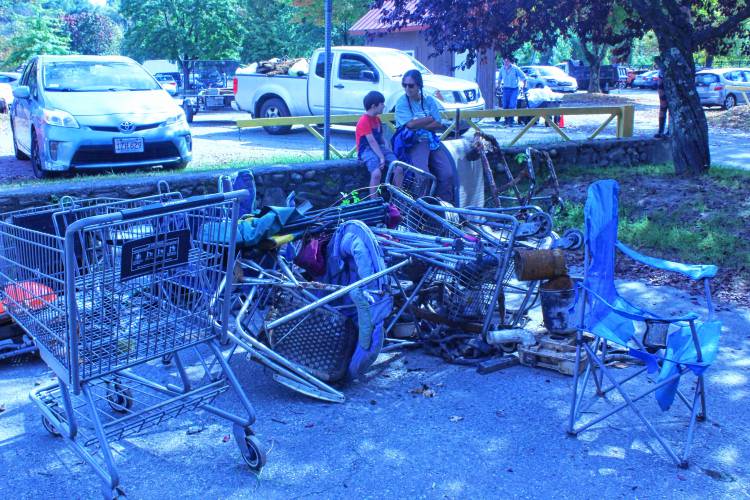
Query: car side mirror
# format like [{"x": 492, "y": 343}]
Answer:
[
  {"x": 21, "y": 92},
  {"x": 367, "y": 75}
]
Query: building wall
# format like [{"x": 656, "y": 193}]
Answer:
[{"x": 441, "y": 64}]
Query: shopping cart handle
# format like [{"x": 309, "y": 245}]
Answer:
[{"x": 192, "y": 202}]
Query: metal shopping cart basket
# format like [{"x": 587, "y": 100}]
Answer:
[{"x": 116, "y": 284}]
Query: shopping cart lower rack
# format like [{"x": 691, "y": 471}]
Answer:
[{"x": 106, "y": 289}]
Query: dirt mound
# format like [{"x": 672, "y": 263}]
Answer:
[{"x": 736, "y": 118}]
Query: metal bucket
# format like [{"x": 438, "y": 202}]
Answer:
[{"x": 557, "y": 297}]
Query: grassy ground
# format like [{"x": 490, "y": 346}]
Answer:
[{"x": 700, "y": 221}]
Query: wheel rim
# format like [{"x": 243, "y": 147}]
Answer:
[
  {"x": 729, "y": 103},
  {"x": 273, "y": 112}
]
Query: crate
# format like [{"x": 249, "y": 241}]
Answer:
[{"x": 554, "y": 352}]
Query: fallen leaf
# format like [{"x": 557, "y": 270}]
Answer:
[
  {"x": 373, "y": 402},
  {"x": 681, "y": 477},
  {"x": 456, "y": 418},
  {"x": 309, "y": 425},
  {"x": 500, "y": 413},
  {"x": 225, "y": 439}
]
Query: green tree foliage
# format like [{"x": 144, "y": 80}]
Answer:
[
  {"x": 41, "y": 32},
  {"x": 93, "y": 33},
  {"x": 182, "y": 30},
  {"x": 273, "y": 29},
  {"x": 344, "y": 14}
]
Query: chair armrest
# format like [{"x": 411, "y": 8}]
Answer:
[
  {"x": 633, "y": 315},
  {"x": 692, "y": 271}
]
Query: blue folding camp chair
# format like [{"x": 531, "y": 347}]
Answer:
[{"x": 670, "y": 347}]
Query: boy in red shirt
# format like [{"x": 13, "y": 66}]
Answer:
[{"x": 372, "y": 149}]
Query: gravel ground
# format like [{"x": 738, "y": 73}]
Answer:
[
  {"x": 217, "y": 141},
  {"x": 479, "y": 436}
]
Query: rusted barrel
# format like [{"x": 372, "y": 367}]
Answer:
[
  {"x": 557, "y": 297},
  {"x": 532, "y": 265}
]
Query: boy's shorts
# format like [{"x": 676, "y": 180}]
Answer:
[{"x": 372, "y": 161}]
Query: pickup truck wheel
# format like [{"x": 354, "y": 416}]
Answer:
[
  {"x": 188, "y": 112},
  {"x": 275, "y": 108}
]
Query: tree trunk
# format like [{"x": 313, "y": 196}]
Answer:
[
  {"x": 594, "y": 59},
  {"x": 690, "y": 150},
  {"x": 709, "y": 59},
  {"x": 674, "y": 30}
]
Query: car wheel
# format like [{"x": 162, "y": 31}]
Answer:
[
  {"x": 36, "y": 160},
  {"x": 20, "y": 155},
  {"x": 730, "y": 101},
  {"x": 539, "y": 86},
  {"x": 275, "y": 108}
]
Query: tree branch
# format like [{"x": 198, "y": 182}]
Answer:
[{"x": 729, "y": 24}]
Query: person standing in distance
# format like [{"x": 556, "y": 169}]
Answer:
[{"x": 511, "y": 79}]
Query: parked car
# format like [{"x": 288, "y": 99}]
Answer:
[
  {"x": 711, "y": 85},
  {"x": 167, "y": 82},
  {"x": 8, "y": 80},
  {"x": 10, "y": 77},
  {"x": 95, "y": 112},
  {"x": 355, "y": 71},
  {"x": 549, "y": 76},
  {"x": 647, "y": 80},
  {"x": 610, "y": 76},
  {"x": 6, "y": 97}
]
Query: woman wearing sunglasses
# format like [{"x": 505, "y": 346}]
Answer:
[{"x": 421, "y": 114}]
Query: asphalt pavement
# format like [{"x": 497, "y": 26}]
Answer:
[{"x": 471, "y": 436}]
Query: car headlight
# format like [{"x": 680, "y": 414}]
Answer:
[
  {"x": 59, "y": 118},
  {"x": 176, "y": 118},
  {"x": 442, "y": 96}
]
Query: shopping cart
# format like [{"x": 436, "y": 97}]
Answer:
[{"x": 109, "y": 286}]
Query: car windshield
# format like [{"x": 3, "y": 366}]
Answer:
[
  {"x": 398, "y": 63},
  {"x": 95, "y": 76},
  {"x": 552, "y": 71}
]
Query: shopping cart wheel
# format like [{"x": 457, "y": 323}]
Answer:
[
  {"x": 166, "y": 359},
  {"x": 252, "y": 452},
  {"x": 119, "y": 397},
  {"x": 116, "y": 493},
  {"x": 49, "y": 426}
]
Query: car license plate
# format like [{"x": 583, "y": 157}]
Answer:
[{"x": 129, "y": 145}]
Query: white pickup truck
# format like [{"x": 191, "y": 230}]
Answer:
[{"x": 355, "y": 72}]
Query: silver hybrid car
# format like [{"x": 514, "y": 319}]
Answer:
[{"x": 95, "y": 112}]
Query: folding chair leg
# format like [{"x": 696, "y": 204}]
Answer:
[
  {"x": 691, "y": 428},
  {"x": 574, "y": 399},
  {"x": 703, "y": 415},
  {"x": 643, "y": 419}
]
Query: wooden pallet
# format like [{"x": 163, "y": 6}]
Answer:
[{"x": 554, "y": 352}]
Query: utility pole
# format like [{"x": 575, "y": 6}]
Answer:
[{"x": 327, "y": 93}]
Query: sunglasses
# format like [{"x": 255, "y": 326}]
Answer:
[{"x": 408, "y": 85}]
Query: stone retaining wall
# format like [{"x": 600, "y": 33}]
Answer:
[{"x": 319, "y": 182}]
